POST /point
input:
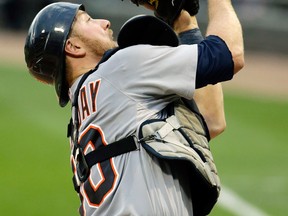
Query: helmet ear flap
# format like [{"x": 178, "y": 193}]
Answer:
[{"x": 45, "y": 45}]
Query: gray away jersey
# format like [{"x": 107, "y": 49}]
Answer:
[{"x": 133, "y": 85}]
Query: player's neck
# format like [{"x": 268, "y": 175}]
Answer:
[{"x": 78, "y": 67}]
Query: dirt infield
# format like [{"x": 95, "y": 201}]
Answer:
[
  {"x": 12, "y": 47},
  {"x": 264, "y": 74}
]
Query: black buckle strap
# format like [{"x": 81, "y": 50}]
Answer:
[
  {"x": 85, "y": 162},
  {"x": 114, "y": 149},
  {"x": 82, "y": 168}
]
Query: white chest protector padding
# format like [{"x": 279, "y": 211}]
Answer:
[{"x": 181, "y": 137}]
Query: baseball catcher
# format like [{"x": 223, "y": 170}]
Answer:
[{"x": 139, "y": 146}]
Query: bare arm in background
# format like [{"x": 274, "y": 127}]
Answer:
[
  {"x": 209, "y": 99},
  {"x": 223, "y": 22}
]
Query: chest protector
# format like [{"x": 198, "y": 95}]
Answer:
[{"x": 183, "y": 138}]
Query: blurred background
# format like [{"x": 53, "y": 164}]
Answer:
[
  {"x": 35, "y": 174},
  {"x": 265, "y": 18}
]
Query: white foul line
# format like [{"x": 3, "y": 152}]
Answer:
[{"x": 236, "y": 205}]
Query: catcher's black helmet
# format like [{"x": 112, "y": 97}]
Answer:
[{"x": 45, "y": 42}]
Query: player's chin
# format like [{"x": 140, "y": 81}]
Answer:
[
  {"x": 115, "y": 44},
  {"x": 111, "y": 44},
  {"x": 110, "y": 32}
]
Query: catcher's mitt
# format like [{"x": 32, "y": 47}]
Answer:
[{"x": 169, "y": 10}]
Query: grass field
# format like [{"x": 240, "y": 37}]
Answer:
[{"x": 34, "y": 157}]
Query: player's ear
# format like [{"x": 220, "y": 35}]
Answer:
[{"x": 73, "y": 47}]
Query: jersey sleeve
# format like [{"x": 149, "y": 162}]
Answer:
[
  {"x": 154, "y": 70},
  {"x": 215, "y": 63}
]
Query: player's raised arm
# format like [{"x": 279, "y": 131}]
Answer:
[
  {"x": 224, "y": 23},
  {"x": 209, "y": 99}
]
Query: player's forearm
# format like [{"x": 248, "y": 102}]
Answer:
[
  {"x": 209, "y": 100},
  {"x": 185, "y": 22},
  {"x": 224, "y": 23}
]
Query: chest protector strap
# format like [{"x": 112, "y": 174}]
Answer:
[{"x": 83, "y": 162}]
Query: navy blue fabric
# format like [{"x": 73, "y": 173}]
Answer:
[{"x": 215, "y": 63}]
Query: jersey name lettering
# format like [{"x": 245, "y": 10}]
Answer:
[{"x": 88, "y": 99}]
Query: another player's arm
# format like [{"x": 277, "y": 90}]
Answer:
[
  {"x": 209, "y": 99},
  {"x": 223, "y": 22}
]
